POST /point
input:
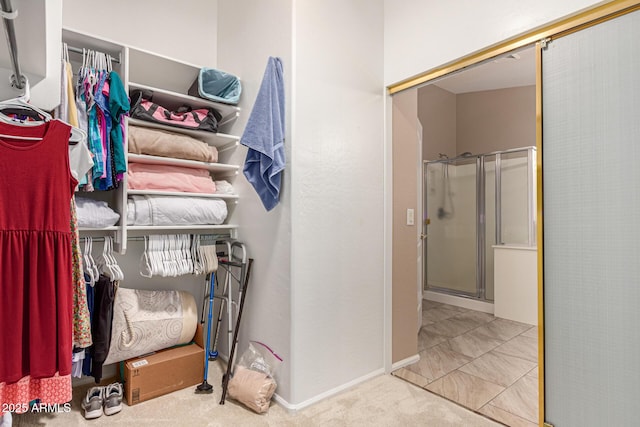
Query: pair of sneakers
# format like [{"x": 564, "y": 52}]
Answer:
[{"x": 107, "y": 397}]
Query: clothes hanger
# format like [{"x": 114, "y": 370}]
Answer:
[
  {"x": 195, "y": 252},
  {"x": 145, "y": 265},
  {"x": 103, "y": 263},
  {"x": 65, "y": 53},
  {"x": 187, "y": 264},
  {"x": 162, "y": 256},
  {"x": 164, "y": 253},
  {"x": 21, "y": 107},
  {"x": 154, "y": 254},
  {"x": 88, "y": 267},
  {"x": 116, "y": 267},
  {"x": 188, "y": 258},
  {"x": 174, "y": 256},
  {"x": 94, "y": 264},
  {"x": 111, "y": 259},
  {"x": 183, "y": 262}
]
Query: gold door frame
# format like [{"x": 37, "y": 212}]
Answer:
[{"x": 537, "y": 36}]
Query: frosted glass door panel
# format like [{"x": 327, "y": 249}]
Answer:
[
  {"x": 591, "y": 178},
  {"x": 451, "y": 234},
  {"x": 515, "y": 173}
]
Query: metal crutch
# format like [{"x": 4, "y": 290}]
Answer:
[
  {"x": 225, "y": 378},
  {"x": 205, "y": 387},
  {"x": 238, "y": 261},
  {"x": 213, "y": 353}
]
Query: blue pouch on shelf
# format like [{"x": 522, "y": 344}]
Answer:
[{"x": 216, "y": 85}]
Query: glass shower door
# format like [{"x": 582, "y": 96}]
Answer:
[{"x": 451, "y": 226}]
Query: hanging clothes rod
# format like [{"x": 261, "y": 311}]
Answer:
[
  {"x": 214, "y": 237},
  {"x": 18, "y": 80},
  {"x": 80, "y": 51}
]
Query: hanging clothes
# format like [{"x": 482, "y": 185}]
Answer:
[
  {"x": 102, "y": 103},
  {"x": 36, "y": 321},
  {"x": 81, "y": 319},
  {"x": 80, "y": 158},
  {"x": 103, "y": 118},
  {"x": 83, "y": 123},
  {"x": 72, "y": 110},
  {"x": 86, "y": 363},
  {"x": 104, "y": 295},
  {"x": 119, "y": 107}
]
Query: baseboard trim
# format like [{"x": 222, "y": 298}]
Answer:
[
  {"x": 296, "y": 407},
  {"x": 405, "y": 362}
]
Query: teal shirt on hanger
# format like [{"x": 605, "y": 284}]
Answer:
[{"x": 118, "y": 106}]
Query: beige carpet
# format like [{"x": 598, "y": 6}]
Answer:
[{"x": 382, "y": 401}]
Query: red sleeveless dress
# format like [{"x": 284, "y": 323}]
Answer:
[{"x": 36, "y": 289}]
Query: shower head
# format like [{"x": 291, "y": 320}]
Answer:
[
  {"x": 466, "y": 154},
  {"x": 442, "y": 214}
]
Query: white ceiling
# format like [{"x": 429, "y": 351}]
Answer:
[{"x": 499, "y": 73}]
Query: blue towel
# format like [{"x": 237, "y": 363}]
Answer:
[{"x": 264, "y": 136}]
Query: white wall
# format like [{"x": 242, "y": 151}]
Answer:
[
  {"x": 313, "y": 300},
  {"x": 337, "y": 185},
  {"x": 247, "y": 37},
  {"x": 184, "y": 30},
  {"x": 420, "y": 35}
]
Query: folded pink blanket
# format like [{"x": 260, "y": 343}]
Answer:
[{"x": 142, "y": 176}]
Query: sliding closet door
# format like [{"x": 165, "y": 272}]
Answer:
[{"x": 591, "y": 194}]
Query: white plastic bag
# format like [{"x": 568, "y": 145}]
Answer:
[{"x": 252, "y": 383}]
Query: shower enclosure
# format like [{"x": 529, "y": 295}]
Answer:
[{"x": 471, "y": 203}]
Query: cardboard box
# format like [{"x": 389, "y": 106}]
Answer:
[{"x": 164, "y": 371}]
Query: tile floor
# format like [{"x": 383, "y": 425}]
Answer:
[{"x": 484, "y": 363}]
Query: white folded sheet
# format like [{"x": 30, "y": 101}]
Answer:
[{"x": 175, "y": 210}]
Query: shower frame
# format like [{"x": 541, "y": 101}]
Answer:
[{"x": 481, "y": 285}]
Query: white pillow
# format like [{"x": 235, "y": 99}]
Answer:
[{"x": 95, "y": 213}]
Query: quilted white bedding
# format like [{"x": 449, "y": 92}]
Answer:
[{"x": 175, "y": 210}]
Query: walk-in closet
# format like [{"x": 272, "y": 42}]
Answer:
[
  {"x": 151, "y": 278},
  {"x": 248, "y": 182}
]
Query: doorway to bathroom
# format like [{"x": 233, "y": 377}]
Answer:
[{"x": 477, "y": 335}]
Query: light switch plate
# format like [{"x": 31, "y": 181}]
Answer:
[{"x": 410, "y": 217}]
